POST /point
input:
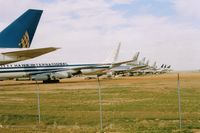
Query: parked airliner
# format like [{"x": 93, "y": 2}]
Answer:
[{"x": 51, "y": 72}]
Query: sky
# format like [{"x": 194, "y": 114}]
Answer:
[{"x": 165, "y": 31}]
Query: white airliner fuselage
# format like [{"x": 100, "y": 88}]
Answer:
[{"x": 47, "y": 71}]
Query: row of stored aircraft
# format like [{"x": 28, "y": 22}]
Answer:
[
  {"x": 138, "y": 68},
  {"x": 20, "y": 33}
]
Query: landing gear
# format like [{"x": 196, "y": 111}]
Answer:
[{"x": 50, "y": 81}]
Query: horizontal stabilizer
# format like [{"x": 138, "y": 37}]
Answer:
[
  {"x": 30, "y": 53},
  {"x": 21, "y": 55}
]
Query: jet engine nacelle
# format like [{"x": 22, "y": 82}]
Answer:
[
  {"x": 41, "y": 77},
  {"x": 51, "y": 76},
  {"x": 62, "y": 75}
]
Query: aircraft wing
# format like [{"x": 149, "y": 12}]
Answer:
[
  {"x": 48, "y": 71},
  {"x": 15, "y": 56},
  {"x": 120, "y": 63},
  {"x": 127, "y": 68},
  {"x": 135, "y": 68},
  {"x": 116, "y": 64},
  {"x": 74, "y": 70}
]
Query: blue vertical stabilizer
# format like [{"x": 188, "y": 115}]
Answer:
[{"x": 19, "y": 34}]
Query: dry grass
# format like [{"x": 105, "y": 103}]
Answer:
[{"x": 130, "y": 104}]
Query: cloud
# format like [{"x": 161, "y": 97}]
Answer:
[
  {"x": 187, "y": 8},
  {"x": 122, "y": 1}
]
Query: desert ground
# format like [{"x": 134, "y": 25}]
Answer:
[{"x": 129, "y": 104}]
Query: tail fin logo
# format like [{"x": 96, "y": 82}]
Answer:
[{"x": 25, "y": 41}]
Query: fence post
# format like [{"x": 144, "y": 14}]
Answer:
[
  {"x": 179, "y": 101},
  {"x": 100, "y": 104}
]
